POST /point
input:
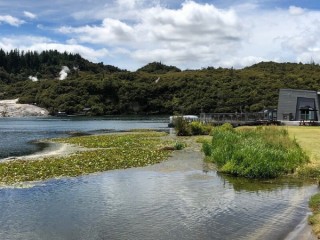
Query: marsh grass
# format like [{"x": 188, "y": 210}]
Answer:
[
  {"x": 106, "y": 152},
  {"x": 261, "y": 152}
]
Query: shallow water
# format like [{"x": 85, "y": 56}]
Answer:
[
  {"x": 177, "y": 199},
  {"x": 18, "y": 136}
]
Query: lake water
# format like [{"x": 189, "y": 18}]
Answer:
[
  {"x": 19, "y": 135},
  {"x": 178, "y": 199}
]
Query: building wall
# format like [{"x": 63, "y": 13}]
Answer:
[{"x": 287, "y": 104}]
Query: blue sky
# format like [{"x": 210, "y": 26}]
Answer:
[{"x": 187, "y": 34}]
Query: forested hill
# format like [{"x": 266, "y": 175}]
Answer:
[{"x": 153, "y": 89}]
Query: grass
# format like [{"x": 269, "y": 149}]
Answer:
[
  {"x": 106, "y": 152},
  {"x": 314, "y": 220},
  {"x": 261, "y": 152},
  {"x": 308, "y": 139}
]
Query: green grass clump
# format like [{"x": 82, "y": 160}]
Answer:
[
  {"x": 186, "y": 128},
  {"x": 179, "y": 146},
  {"x": 314, "y": 219},
  {"x": 108, "y": 152},
  {"x": 262, "y": 152}
]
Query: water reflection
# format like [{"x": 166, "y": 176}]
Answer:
[{"x": 148, "y": 204}]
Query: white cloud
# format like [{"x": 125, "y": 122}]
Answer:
[
  {"x": 131, "y": 33},
  {"x": 296, "y": 10},
  {"x": 110, "y": 32},
  {"x": 32, "y": 43},
  {"x": 195, "y": 32},
  {"x": 29, "y": 15},
  {"x": 11, "y": 20}
]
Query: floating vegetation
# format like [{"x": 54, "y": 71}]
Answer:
[
  {"x": 262, "y": 152},
  {"x": 105, "y": 152}
]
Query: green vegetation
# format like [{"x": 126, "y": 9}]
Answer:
[
  {"x": 308, "y": 139},
  {"x": 314, "y": 220},
  {"x": 186, "y": 128},
  {"x": 105, "y": 152},
  {"x": 159, "y": 68},
  {"x": 153, "y": 89},
  {"x": 179, "y": 146},
  {"x": 261, "y": 152}
]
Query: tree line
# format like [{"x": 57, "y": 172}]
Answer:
[{"x": 152, "y": 89}]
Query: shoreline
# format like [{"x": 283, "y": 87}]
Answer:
[{"x": 53, "y": 149}]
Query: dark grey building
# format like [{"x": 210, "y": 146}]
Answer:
[{"x": 298, "y": 105}]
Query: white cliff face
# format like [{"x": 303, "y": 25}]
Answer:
[{"x": 10, "y": 108}]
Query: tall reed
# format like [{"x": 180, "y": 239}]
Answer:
[{"x": 262, "y": 152}]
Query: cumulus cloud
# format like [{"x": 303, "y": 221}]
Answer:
[
  {"x": 11, "y": 20},
  {"x": 64, "y": 73},
  {"x": 32, "y": 43},
  {"x": 191, "y": 33},
  {"x": 29, "y": 15},
  {"x": 296, "y": 10},
  {"x": 111, "y": 31}
]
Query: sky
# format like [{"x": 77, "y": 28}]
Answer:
[{"x": 187, "y": 34}]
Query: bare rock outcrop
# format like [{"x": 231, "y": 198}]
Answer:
[{"x": 11, "y": 108}]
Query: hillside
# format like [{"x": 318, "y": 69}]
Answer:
[{"x": 153, "y": 89}]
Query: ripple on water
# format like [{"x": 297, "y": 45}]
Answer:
[{"x": 146, "y": 203}]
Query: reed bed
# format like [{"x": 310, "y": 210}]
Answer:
[{"x": 261, "y": 152}]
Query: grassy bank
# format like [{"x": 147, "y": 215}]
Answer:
[
  {"x": 308, "y": 139},
  {"x": 105, "y": 152},
  {"x": 261, "y": 152}
]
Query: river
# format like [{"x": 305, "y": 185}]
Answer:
[{"x": 177, "y": 199}]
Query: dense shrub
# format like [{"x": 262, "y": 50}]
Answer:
[
  {"x": 263, "y": 152},
  {"x": 182, "y": 127},
  {"x": 198, "y": 128},
  {"x": 185, "y": 128}
]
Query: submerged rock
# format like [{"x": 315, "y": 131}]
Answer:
[{"x": 10, "y": 108}]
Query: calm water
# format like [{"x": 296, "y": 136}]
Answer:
[
  {"x": 18, "y": 135},
  {"x": 177, "y": 199}
]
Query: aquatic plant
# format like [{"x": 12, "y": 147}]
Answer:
[
  {"x": 106, "y": 152},
  {"x": 262, "y": 152}
]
